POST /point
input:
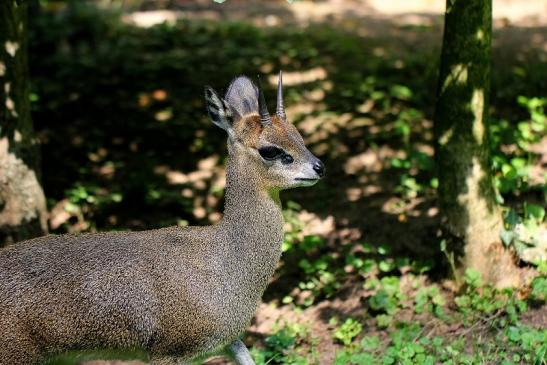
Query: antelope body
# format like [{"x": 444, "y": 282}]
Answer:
[{"x": 178, "y": 293}]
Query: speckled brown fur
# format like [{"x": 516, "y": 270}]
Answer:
[{"x": 175, "y": 292}]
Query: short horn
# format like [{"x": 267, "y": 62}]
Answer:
[
  {"x": 280, "y": 108},
  {"x": 265, "y": 118}
]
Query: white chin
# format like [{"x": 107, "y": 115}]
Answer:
[{"x": 306, "y": 182}]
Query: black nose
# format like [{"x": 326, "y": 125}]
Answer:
[{"x": 319, "y": 168}]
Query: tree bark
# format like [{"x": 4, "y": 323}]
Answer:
[
  {"x": 23, "y": 211},
  {"x": 471, "y": 217}
]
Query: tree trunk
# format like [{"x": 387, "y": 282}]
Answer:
[
  {"x": 23, "y": 211},
  {"x": 471, "y": 217}
]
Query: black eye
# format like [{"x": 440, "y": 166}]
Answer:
[
  {"x": 287, "y": 159},
  {"x": 270, "y": 153}
]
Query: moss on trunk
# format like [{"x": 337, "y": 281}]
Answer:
[
  {"x": 22, "y": 203},
  {"x": 471, "y": 216}
]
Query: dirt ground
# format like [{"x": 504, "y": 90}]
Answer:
[{"x": 528, "y": 13}]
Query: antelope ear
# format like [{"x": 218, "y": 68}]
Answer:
[{"x": 219, "y": 111}]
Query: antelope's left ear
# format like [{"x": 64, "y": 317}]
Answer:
[{"x": 219, "y": 111}]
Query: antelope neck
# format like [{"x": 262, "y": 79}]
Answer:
[{"x": 252, "y": 214}]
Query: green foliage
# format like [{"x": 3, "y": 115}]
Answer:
[
  {"x": 408, "y": 344},
  {"x": 531, "y": 344},
  {"x": 416, "y": 175},
  {"x": 478, "y": 302},
  {"x": 387, "y": 295},
  {"x": 513, "y": 168},
  {"x": 280, "y": 347},
  {"x": 293, "y": 229},
  {"x": 319, "y": 272},
  {"x": 429, "y": 299},
  {"x": 530, "y": 131},
  {"x": 539, "y": 288},
  {"x": 348, "y": 331},
  {"x": 349, "y": 357},
  {"x": 482, "y": 311},
  {"x": 320, "y": 280},
  {"x": 525, "y": 233}
]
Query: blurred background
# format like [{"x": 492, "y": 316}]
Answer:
[{"x": 117, "y": 105}]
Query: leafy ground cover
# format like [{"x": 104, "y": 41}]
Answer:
[
  {"x": 393, "y": 314},
  {"x": 363, "y": 280}
]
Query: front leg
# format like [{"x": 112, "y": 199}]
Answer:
[{"x": 239, "y": 353}]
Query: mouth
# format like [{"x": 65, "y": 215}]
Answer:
[{"x": 304, "y": 181}]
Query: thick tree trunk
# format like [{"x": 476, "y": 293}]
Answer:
[
  {"x": 23, "y": 211},
  {"x": 471, "y": 216}
]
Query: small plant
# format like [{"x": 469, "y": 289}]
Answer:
[
  {"x": 495, "y": 308},
  {"x": 321, "y": 279},
  {"x": 348, "y": 357},
  {"x": 429, "y": 299},
  {"x": 387, "y": 299},
  {"x": 416, "y": 174},
  {"x": 280, "y": 347},
  {"x": 513, "y": 168},
  {"x": 539, "y": 284},
  {"x": 452, "y": 262},
  {"x": 293, "y": 226},
  {"x": 526, "y": 235},
  {"x": 348, "y": 331},
  {"x": 529, "y": 131},
  {"x": 531, "y": 344}
]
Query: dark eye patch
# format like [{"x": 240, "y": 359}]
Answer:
[
  {"x": 287, "y": 159},
  {"x": 270, "y": 153}
]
